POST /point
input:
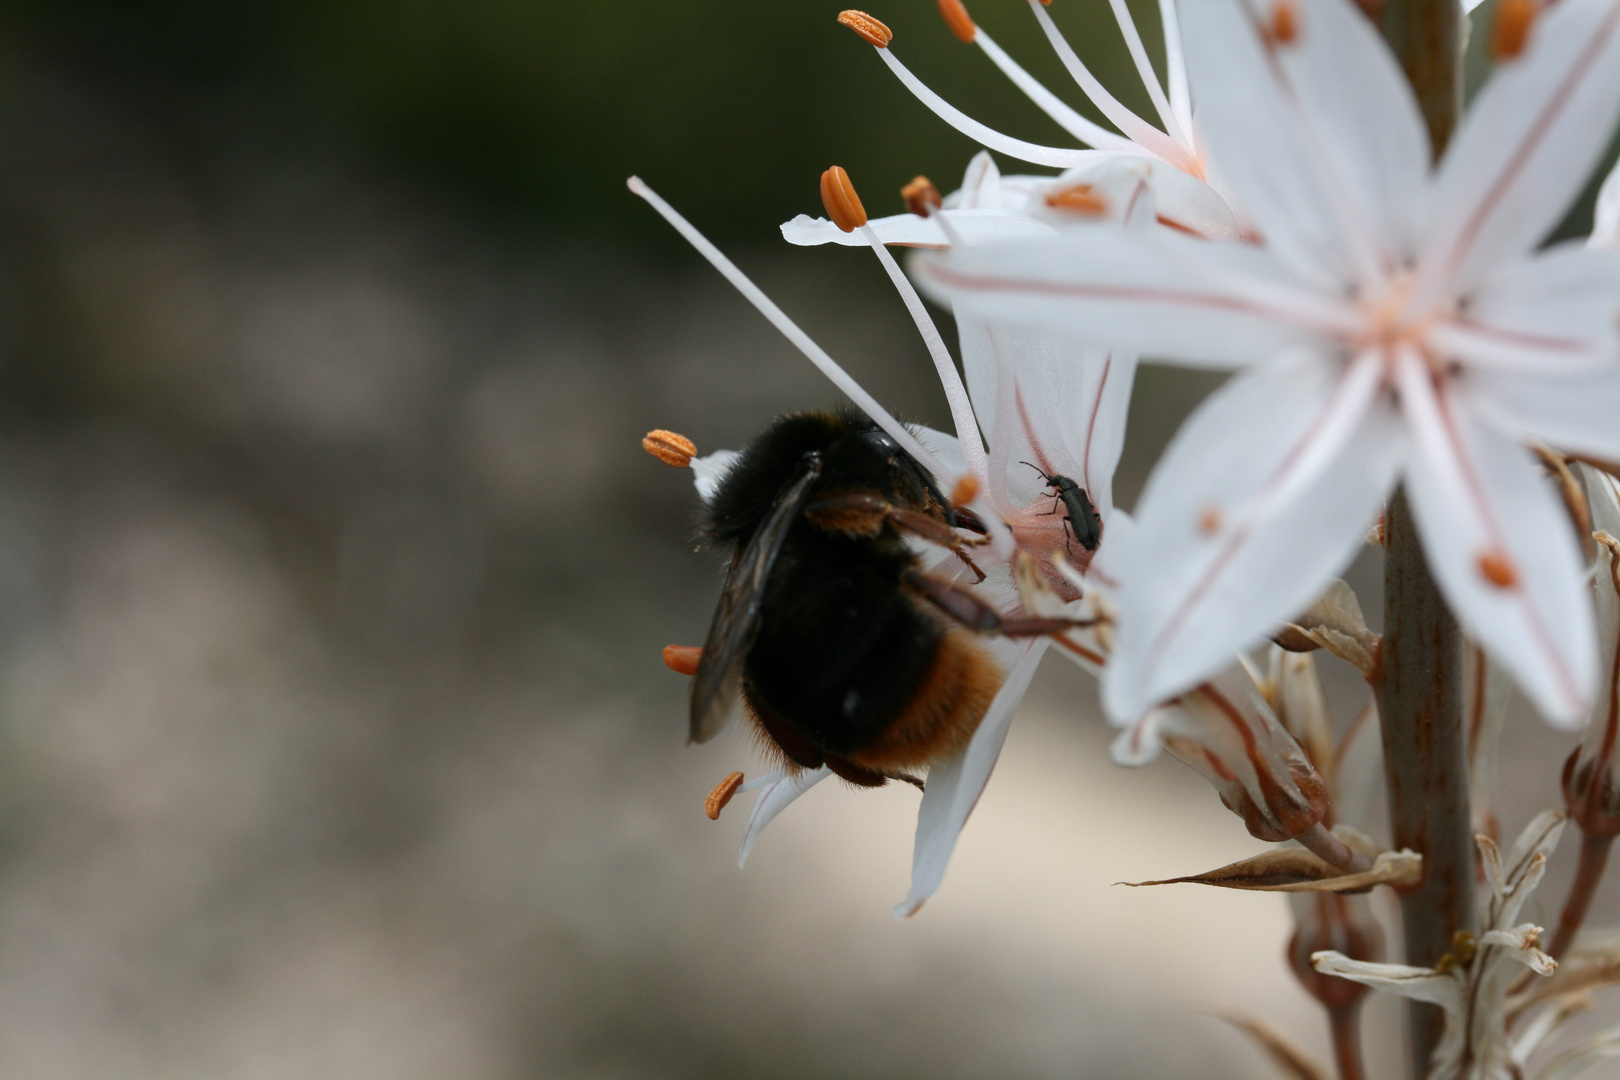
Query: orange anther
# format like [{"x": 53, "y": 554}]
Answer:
[
  {"x": 722, "y": 793},
  {"x": 1210, "y": 519},
  {"x": 838, "y": 196},
  {"x": 1497, "y": 568},
  {"x": 683, "y": 659},
  {"x": 874, "y": 32},
  {"x": 957, "y": 18},
  {"x": 1078, "y": 199},
  {"x": 670, "y": 448},
  {"x": 1512, "y": 27},
  {"x": 1284, "y": 28},
  {"x": 965, "y": 491},
  {"x": 922, "y": 197}
]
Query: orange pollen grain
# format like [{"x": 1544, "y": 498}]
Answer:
[
  {"x": 870, "y": 30},
  {"x": 965, "y": 490},
  {"x": 1078, "y": 199},
  {"x": 683, "y": 659},
  {"x": 957, "y": 18},
  {"x": 1512, "y": 27},
  {"x": 1210, "y": 519},
  {"x": 670, "y": 448},
  {"x": 922, "y": 197},
  {"x": 838, "y": 196},
  {"x": 1284, "y": 28},
  {"x": 722, "y": 793},
  {"x": 1497, "y": 568}
]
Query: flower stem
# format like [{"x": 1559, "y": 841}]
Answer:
[
  {"x": 1332, "y": 850},
  {"x": 1345, "y": 1023},
  {"x": 1420, "y": 699},
  {"x": 1594, "y": 858}
]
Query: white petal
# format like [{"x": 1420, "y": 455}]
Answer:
[
  {"x": 971, "y": 226},
  {"x": 1576, "y": 413},
  {"x": 775, "y": 798},
  {"x": 1319, "y": 138},
  {"x": 1264, "y": 494},
  {"x": 954, "y": 786},
  {"x": 1477, "y": 494},
  {"x": 1556, "y": 312},
  {"x": 1606, "y": 217},
  {"x": 1421, "y": 984},
  {"x": 1527, "y": 144},
  {"x": 1159, "y": 294}
]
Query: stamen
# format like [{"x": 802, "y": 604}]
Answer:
[
  {"x": 1145, "y": 72},
  {"x": 722, "y": 793},
  {"x": 922, "y": 197},
  {"x": 1051, "y": 156},
  {"x": 838, "y": 196},
  {"x": 1284, "y": 27},
  {"x": 957, "y": 18},
  {"x": 1145, "y": 135},
  {"x": 683, "y": 659},
  {"x": 1210, "y": 519},
  {"x": 1079, "y": 199},
  {"x": 790, "y": 330},
  {"x": 670, "y": 448},
  {"x": 1497, "y": 568},
  {"x": 872, "y": 31},
  {"x": 1093, "y": 135},
  {"x": 965, "y": 491},
  {"x": 1511, "y": 29}
]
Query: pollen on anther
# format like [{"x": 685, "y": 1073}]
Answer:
[
  {"x": 957, "y": 18},
  {"x": 722, "y": 793},
  {"x": 1284, "y": 27},
  {"x": 1078, "y": 199},
  {"x": 1210, "y": 519},
  {"x": 1512, "y": 27},
  {"x": 683, "y": 659},
  {"x": 871, "y": 30},
  {"x": 965, "y": 491},
  {"x": 838, "y": 196},
  {"x": 669, "y": 447},
  {"x": 1496, "y": 567},
  {"x": 922, "y": 197}
]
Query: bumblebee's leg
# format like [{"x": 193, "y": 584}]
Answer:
[
  {"x": 794, "y": 746},
  {"x": 935, "y": 532},
  {"x": 863, "y": 777},
  {"x": 975, "y": 614}
]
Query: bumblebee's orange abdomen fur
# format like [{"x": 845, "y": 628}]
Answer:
[{"x": 942, "y": 716}]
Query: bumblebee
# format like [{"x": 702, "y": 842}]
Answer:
[
  {"x": 1079, "y": 516},
  {"x": 842, "y": 650}
]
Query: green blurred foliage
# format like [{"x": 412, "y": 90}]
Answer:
[{"x": 539, "y": 109}]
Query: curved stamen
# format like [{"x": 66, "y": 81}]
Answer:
[
  {"x": 1094, "y": 135},
  {"x": 967, "y": 427},
  {"x": 1144, "y": 69},
  {"x": 1052, "y": 156},
  {"x": 1175, "y": 63},
  {"x": 1138, "y": 130}
]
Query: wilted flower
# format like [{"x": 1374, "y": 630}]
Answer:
[
  {"x": 1392, "y": 324},
  {"x": 1472, "y": 982}
]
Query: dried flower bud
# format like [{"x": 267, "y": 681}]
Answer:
[
  {"x": 1334, "y": 921},
  {"x": 1591, "y": 784}
]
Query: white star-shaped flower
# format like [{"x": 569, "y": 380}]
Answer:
[{"x": 1393, "y": 324}]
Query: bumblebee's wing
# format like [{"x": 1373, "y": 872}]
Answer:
[{"x": 736, "y": 617}]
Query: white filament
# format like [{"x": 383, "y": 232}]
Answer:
[{"x": 1094, "y": 135}]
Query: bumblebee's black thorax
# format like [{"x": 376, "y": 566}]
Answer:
[{"x": 842, "y": 646}]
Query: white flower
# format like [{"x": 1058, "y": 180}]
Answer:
[
  {"x": 1393, "y": 324},
  {"x": 1471, "y": 985},
  {"x": 1170, "y": 156},
  {"x": 1062, "y": 408}
]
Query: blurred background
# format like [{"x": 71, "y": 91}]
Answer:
[{"x": 334, "y": 741}]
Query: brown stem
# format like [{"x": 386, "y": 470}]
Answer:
[
  {"x": 1420, "y": 699},
  {"x": 1332, "y": 850},
  {"x": 1426, "y": 37},
  {"x": 1344, "y": 1021},
  {"x": 1594, "y": 858}
]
